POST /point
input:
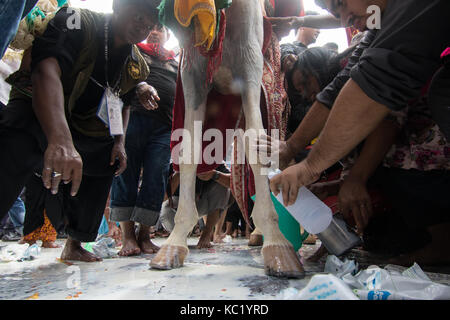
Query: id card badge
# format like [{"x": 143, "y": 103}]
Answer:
[
  {"x": 102, "y": 112},
  {"x": 114, "y": 106}
]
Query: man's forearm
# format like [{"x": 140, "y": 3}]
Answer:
[
  {"x": 321, "y": 22},
  {"x": 353, "y": 117},
  {"x": 48, "y": 102},
  {"x": 309, "y": 128}
]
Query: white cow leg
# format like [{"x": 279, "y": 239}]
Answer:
[
  {"x": 280, "y": 259},
  {"x": 174, "y": 250}
]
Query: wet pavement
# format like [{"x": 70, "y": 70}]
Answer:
[{"x": 228, "y": 271}]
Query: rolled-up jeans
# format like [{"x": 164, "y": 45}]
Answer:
[
  {"x": 17, "y": 214},
  {"x": 148, "y": 147},
  {"x": 11, "y": 12}
]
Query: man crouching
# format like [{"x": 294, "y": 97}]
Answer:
[{"x": 70, "y": 121}]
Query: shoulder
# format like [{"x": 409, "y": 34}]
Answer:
[{"x": 137, "y": 65}]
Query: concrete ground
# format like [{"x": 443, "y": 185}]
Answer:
[{"x": 228, "y": 271}]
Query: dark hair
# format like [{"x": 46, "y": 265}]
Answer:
[
  {"x": 321, "y": 63},
  {"x": 151, "y": 6},
  {"x": 331, "y": 45}
]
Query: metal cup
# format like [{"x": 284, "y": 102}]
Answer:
[{"x": 337, "y": 238}]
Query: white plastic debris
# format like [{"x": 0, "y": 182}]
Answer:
[
  {"x": 19, "y": 252},
  {"x": 105, "y": 248},
  {"x": 344, "y": 283},
  {"x": 340, "y": 268},
  {"x": 227, "y": 239},
  {"x": 380, "y": 284},
  {"x": 321, "y": 287}
]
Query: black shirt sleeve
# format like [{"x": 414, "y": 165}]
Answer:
[
  {"x": 405, "y": 52},
  {"x": 328, "y": 95},
  {"x": 58, "y": 41}
]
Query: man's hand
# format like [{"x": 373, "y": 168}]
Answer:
[
  {"x": 206, "y": 176},
  {"x": 274, "y": 148},
  {"x": 355, "y": 202},
  {"x": 118, "y": 153},
  {"x": 148, "y": 96},
  {"x": 62, "y": 162},
  {"x": 283, "y": 26},
  {"x": 291, "y": 180}
]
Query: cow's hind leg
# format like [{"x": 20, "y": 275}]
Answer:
[
  {"x": 174, "y": 250},
  {"x": 280, "y": 258}
]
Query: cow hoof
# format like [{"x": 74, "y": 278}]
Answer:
[
  {"x": 256, "y": 240},
  {"x": 282, "y": 261},
  {"x": 169, "y": 257}
]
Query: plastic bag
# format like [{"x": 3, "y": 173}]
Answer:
[
  {"x": 19, "y": 252},
  {"x": 381, "y": 284},
  {"x": 321, "y": 287},
  {"x": 104, "y": 247},
  {"x": 340, "y": 268}
]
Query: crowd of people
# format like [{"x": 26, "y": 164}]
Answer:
[{"x": 86, "y": 131}]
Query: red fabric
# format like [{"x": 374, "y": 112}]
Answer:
[
  {"x": 215, "y": 53},
  {"x": 156, "y": 50},
  {"x": 351, "y": 32}
]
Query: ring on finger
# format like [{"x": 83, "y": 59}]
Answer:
[{"x": 56, "y": 174}]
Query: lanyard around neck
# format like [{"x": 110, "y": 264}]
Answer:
[{"x": 113, "y": 89}]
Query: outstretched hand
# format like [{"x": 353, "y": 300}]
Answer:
[
  {"x": 283, "y": 25},
  {"x": 148, "y": 96}
]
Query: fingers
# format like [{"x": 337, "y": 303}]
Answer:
[
  {"x": 122, "y": 166},
  {"x": 356, "y": 212},
  {"x": 59, "y": 166},
  {"x": 77, "y": 174},
  {"x": 275, "y": 185}
]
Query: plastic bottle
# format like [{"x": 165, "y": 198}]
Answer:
[{"x": 311, "y": 213}]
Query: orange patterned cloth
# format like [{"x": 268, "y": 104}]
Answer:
[{"x": 45, "y": 233}]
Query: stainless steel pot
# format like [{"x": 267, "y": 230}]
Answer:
[{"x": 338, "y": 238}]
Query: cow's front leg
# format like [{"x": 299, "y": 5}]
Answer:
[{"x": 174, "y": 250}]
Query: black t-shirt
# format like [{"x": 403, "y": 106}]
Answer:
[
  {"x": 328, "y": 95},
  {"x": 405, "y": 52},
  {"x": 65, "y": 45},
  {"x": 163, "y": 77}
]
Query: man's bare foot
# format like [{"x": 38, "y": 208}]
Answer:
[
  {"x": 22, "y": 241},
  {"x": 50, "y": 244},
  {"x": 204, "y": 242},
  {"x": 147, "y": 246},
  {"x": 218, "y": 238},
  {"x": 130, "y": 248},
  {"x": 73, "y": 251},
  {"x": 144, "y": 240}
]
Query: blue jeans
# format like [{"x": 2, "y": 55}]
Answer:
[
  {"x": 148, "y": 147},
  {"x": 17, "y": 214},
  {"x": 11, "y": 12}
]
